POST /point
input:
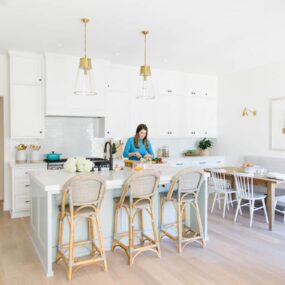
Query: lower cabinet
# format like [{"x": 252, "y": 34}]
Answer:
[
  {"x": 198, "y": 161},
  {"x": 20, "y": 189}
]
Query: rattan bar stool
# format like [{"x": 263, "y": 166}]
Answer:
[
  {"x": 184, "y": 190},
  {"x": 137, "y": 197},
  {"x": 84, "y": 194}
]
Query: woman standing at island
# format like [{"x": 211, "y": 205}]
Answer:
[{"x": 138, "y": 147}]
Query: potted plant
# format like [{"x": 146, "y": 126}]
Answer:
[{"x": 204, "y": 146}]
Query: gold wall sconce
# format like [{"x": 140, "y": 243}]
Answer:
[{"x": 247, "y": 111}]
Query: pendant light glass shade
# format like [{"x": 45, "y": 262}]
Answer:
[
  {"x": 145, "y": 88},
  {"x": 84, "y": 80}
]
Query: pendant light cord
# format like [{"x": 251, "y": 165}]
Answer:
[{"x": 145, "y": 49}]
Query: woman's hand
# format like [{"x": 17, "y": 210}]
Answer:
[
  {"x": 136, "y": 154},
  {"x": 148, "y": 155}
]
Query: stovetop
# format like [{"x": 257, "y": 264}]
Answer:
[{"x": 58, "y": 164}]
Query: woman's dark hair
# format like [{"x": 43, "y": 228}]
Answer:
[{"x": 137, "y": 137}]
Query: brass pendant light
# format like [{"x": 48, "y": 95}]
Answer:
[
  {"x": 145, "y": 89},
  {"x": 84, "y": 81}
]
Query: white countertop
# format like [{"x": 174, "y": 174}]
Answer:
[{"x": 53, "y": 180}]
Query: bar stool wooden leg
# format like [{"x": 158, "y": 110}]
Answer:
[
  {"x": 59, "y": 240},
  {"x": 101, "y": 241},
  {"x": 179, "y": 228},
  {"x": 199, "y": 222},
  {"x": 71, "y": 249},
  {"x": 154, "y": 229},
  {"x": 91, "y": 235},
  {"x": 141, "y": 226},
  {"x": 161, "y": 234},
  {"x": 115, "y": 229},
  {"x": 131, "y": 237}
]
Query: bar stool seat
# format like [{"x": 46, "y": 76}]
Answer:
[
  {"x": 190, "y": 197},
  {"x": 137, "y": 197},
  {"x": 85, "y": 193},
  {"x": 139, "y": 202}
]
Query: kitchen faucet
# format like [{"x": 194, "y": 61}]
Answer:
[{"x": 110, "y": 154}]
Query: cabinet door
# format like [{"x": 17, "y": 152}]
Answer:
[
  {"x": 118, "y": 78},
  {"x": 145, "y": 111},
  {"x": 26, "y": 69},
  {"x": 170, "y": 117},
  {"x": 118, "y": 115},
  {"x": 200, "y": 118},
  {"x": 201, "y": 86},
  {"x": 171, "y": 83},
  {"x": 61, "y": 72},
  {"x": 209, "y": 119},
  {"x": 27, "y": 111}
]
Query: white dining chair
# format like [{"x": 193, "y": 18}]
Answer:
[
  {"x": 245, "y": 191},
  {"x": 280, "y": 202},
  {"x": 222, "y": 190}
]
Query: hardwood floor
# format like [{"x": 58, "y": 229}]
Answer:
[{"x": 235, "y": 254}]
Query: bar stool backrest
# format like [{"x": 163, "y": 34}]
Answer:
[
  {"x": 244, "y": 184},
  {"x": 141, "y": 185},
  {"x": 84, "y": 190},
  {"x": 186, "y": 181},
  {"x": 219, "y": 179}
]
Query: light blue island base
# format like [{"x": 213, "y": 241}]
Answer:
[{"x": 46, "y": 190}]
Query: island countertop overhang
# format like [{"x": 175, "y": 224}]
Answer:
[{"x": 53, "y": 180}]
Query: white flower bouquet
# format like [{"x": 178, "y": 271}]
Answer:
[
  {"x": 83, "y": 165},
  {"x": 70, "y": 165},
  {"x": 78, "y": 164}
]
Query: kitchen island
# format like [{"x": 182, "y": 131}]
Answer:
[{"x": 46, "y": 188}]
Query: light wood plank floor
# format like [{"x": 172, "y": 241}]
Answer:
[{"x": 235, "y": 254}]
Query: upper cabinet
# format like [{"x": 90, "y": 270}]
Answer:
[
  {"x": 118, "y": 78},
  {"x": 201, "y": 86},
  {"x": 170, "y": 83},
  {"x": 184, "y": 105},
  {"x": 174, "y": 83},
  {"x": 118, "y": 102},
  {"x": 61, "y": 72},
  {"x": 26, "y": 69},
  {"x": 26, "y": 95}
]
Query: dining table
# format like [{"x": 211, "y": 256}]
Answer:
[{"x": 269, "y": 184}]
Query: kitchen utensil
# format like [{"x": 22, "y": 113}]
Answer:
[{"x": 53, "y": 156}]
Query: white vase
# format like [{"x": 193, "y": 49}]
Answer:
[
  {"x": 21, "y": 156},
  {"x": 35, "y": 156}
]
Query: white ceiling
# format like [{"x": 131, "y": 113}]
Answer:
[{"x": 202, "y": 36}]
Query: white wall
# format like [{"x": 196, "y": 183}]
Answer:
[{"x": 239, "y": 136}]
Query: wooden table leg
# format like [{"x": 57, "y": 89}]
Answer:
[{"x": 270, "y": 204}]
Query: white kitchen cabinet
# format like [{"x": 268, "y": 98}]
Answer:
[
  {"x": 171, "y": 83},
  {"x": 118, "y": 78},
  {"x": 27, "y": 112},
  {"x": 197, "y": 161},
  {"x": 61, "y": 72},
  {"x": 147, "y": 112},
  {"x": 201, "y": 86},
  {"x": 200, "y": 117},
  {"x": 118, "y": 115},
  {"x": 169, "y": 116},
  {"x": 26, "y": 68},
  {"x": 20, "y": 188},
  {"x": 26, "y": 96}
]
